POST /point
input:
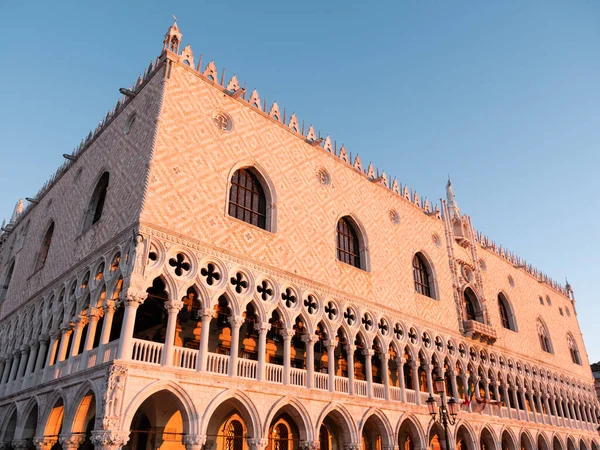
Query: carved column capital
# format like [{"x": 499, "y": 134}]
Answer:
[
  {"x": 81, "y": 321},
  {"x": 35, "y": 345},
  {"x": 194, "y": 441},
  {"x": 262, "y": 326},
  {"x": 352, "y": 446},
  {"x": 71, "y": 441},
  {"x": 207, "y": 313},
  {"x": 173, "y": 306},
  {"x": 109, "y": 305},
  {"x": 400, "y": 360},
  {"x": 95, "y": 312},
  {"x": 21, "y": 444},
  {"x": 133, "y": 297},
  {"x": 109, "y": 439},
  {"x": 350, "y": 348},
  {"x": 310, "y": 338},
  {"x": 368, "y": 352},
  {"x": 45, "y": 443},
  {"x": 257, "y": 444},
  {"x": 309, "y": 445},
  {"x": 287, "y": 334},
  {"x": 236, "y": 321},
  {"x": 331, "y": 343}
]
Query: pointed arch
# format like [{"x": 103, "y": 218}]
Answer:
[
  {"x": 507, "y": 313},
  {"x": 297, "y": 411},
  {"x": 526, "y": 441},
  {"x": 42, "y": 255},
  {"x": 424, "y": 275},
  {"x": 487, "y": 439},
  {"x": 508, "y": 439},
  {"x": 95, "y": 206},
  {"x": 382, "y": 424},
  {"x": 343, "y": 419},
  {"x": 232, "y": 398},
  {"x": 351, "y": 242},
  {"x": 573, "y": 349},
  {"x": 86, "y": 401},
  {"x": 28, "y": 423},
  {"x": 176, "y": 393},
  {"x": 473, "y": 309},
  {"x": 465, "y": 434},
  {"x": 544, "y": 336},
  {"x": 53, "y": 417},
  {"x": 557, "y": 443},
  {"x": 251, "y": 196},
  {"x": 6, "y": 280},
  {"x": 409, "y": 425},
  {"x": 9, "y": 423}
]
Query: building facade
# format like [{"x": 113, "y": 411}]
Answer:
[{"x": 205, "y": 273}]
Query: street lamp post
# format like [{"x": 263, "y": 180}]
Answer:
[{"x": 447, "y": 410}]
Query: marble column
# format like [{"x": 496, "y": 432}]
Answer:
[
  {"x": 415, "y": 378},
  {"x": 368, "y": 352},
  {"x": 67, "y": 331},
  {"x": 287, "y": 339},
  {"x": 23, "y": 362},
  {"x": 207, "y": 315},
  {"x": 194, "y": 441},
  {"x": 173, "y": 307},
  {"x": 236, "y": 322},
  {"x": 15, "y": 366},
  {"x": 309, "y": 342},
  {"x": 108, "y": 309},
  {"x": 263, "y": 329},
  {"x": 80, "y": 323},
  {"x": 93, "y": 317},
  {"x": 350, "y": 349},
  {"x": 52, "y": 348},
  {"x": 400, "y": 361},
  {"x": 385, "y": 376},
  {"x": 45, "y": 442},
  {"x": 131, "y": 302},
  {"x": 33, "y": 353},
  {"x": 331, "y": 344},
  {"x": 71, "y": 441},
  {"x": 428, "y": 368}
]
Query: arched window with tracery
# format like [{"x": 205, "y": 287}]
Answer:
[
  {"x": 470, "y": 308},
  {"x": 280, "y": 437},
  {"x": 45, "y": 248},
  {"x": 506, "y": 317},
  {"x": 348, "y": 244},
  {"x": 234, "y": 439},
  {"x": 422, "y": 276},
  {"x": 544, "y": 337},
  {"x": 573, "y": 349},
  {"x": 95, "y": 207},
  {"x": 6, "y": 281},
  {"x": 247, "y": 199}
]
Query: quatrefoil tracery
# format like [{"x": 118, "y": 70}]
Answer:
[
  {"x": 239, "y": 282},
  {"x": 398, "y": 332},
  {"x": 383, "y": 327},
  {"x": 180, "y": 264},
  {"x": 349, "y": 316},
  {"x": 330, "y": 310},
  {"x": 211, "y": 274},
  {"x": 265, "y": 291},
  {"x": 367, "y": 322},
  {"x": 288, "y": 297},
  {"x": 311, "y": 304}
]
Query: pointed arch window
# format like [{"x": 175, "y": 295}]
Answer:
[
  {"x": 43, "y": 254},
  {"x": 422, "y": 276},
  {"x": 506, "y": 317},
  {"x": 6, "y": 281},
  {"x": 544, "y": 337},
  {"x": 234, "y": 438},
  {"x": 95, "y": 207},
  {"x": 247, "y": 199},
  {"x": 575, "y": 356},
  {"x": 472, "y": 310},
  {"x": 348, "y": 245}
]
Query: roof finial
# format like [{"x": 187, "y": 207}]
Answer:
[
  {"x": 172, "y": 38},
  {"x": 174, "y": 19},
  {"x": 452, "y": 206}
]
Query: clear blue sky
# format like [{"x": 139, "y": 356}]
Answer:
[{"x": 503, "y": 96}]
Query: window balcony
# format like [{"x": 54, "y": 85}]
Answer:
[{"x": 480, "y": 331}]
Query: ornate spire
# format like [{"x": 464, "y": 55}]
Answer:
[
  {"x": 452, "y": 205},
  {"x": 17, "y": 211},
  {"x": 172, "y": 38}
]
